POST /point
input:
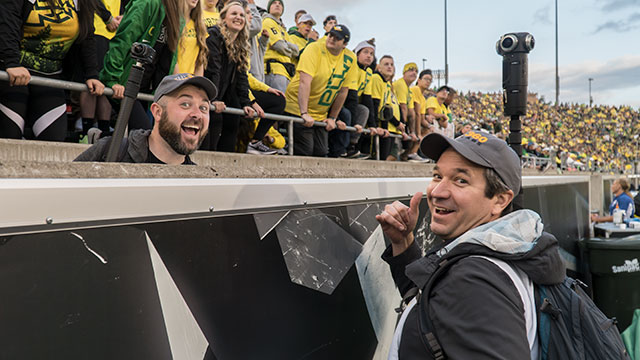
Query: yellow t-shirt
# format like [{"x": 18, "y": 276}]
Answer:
[
  {"x": 401, "y": 89},
  {"x": 188, "y": 49},
  {"x": 364, "y": 81},
  {"x": 432, "y": 102},
  {"x": 276, "y": 33},
  {"x": 210, "y": 18},
  {"x": 416, "y": 95},
  {"x": 42, "y": 50},
  {"x": 382, "y": 90},
  {"x": 328, "y": 72},
  {"x": 113, "y": 6},
  {"x": 300, "y": 42},
  {"x": 395, "y": 106}
]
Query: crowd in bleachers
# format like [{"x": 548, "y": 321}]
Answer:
[
  {"x": 573, "y": 136},
  {"x": 312, "y": 70}
]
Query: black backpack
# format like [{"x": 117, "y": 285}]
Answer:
[{"x": 570, "y": 325}]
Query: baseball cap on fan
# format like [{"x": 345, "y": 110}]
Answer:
[
  {"x": 341, "y": 32},
  {"x": 481, "y": 148},
  {"x": 172, "y": 82}
]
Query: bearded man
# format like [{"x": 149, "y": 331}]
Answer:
[{"x": 180, "y": 110}]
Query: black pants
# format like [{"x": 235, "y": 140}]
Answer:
[
  {"x": 310, "y": 141},
  {"x": 223, "y": 131},
  {"x": 32, "y": 111},
  {"x": 270, "y": 103}
]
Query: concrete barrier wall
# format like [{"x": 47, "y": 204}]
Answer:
[{"x": 213, "y": 268}]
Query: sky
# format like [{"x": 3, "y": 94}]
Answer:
[{"x": 596, "y": 39}]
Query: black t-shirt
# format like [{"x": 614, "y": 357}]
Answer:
[{"x": 152, "y": 159}]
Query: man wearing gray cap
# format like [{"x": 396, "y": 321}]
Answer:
[
  {"x": 180, "y": 110},
  {"x": 483, "y": 307},
  {"x": 300, "y": 36}
]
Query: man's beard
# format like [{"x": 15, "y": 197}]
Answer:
[{"x": 172, "y": 134}]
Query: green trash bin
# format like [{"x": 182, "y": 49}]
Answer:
[{"x": 615, "y": 270}]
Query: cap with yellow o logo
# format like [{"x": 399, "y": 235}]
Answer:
[{"x": 481, "y": 148}]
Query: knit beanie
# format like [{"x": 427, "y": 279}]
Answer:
[
  {"x": 371, "y": 43},
  {"x": 271, "y": 2}
]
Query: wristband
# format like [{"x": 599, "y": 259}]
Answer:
[
  {"x": 303, "y": 113},
  {"x": 331, "y": 117}
]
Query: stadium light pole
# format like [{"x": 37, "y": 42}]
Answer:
[
  {"x": 446, "y": 63},
  {"x": 590, "y": 97},
  {"x": 557, "y": 76},
  {"x": 424, "y": 62}
]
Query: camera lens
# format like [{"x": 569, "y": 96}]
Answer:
[
  {"x": 529, "y": 42},
  {"x": 508, "y": 42},
  {"x": 137, "y": 50}
]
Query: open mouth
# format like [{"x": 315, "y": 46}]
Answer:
[
  {"x": 442, "y": 211},
  {"x": 191, "y": 130}
]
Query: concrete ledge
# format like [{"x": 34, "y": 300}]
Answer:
[{"x": 41, "y": 159}]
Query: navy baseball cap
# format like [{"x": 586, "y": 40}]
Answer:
[
  {"x": 481, "y": 148},
  {"x": 341, "y": 32},
  {"x": 172, "y": 82}
]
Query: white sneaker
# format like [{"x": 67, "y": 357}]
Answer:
[
  {"x": 417, "y": 158},
  {"x": 259, "y": 148}
]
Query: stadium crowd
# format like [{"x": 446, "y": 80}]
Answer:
[
  {"x": 312, "y": 70},
  {"x": 574, "y": 136}
]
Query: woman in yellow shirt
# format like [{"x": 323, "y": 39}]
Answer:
[{"x": 192, "y": 48}]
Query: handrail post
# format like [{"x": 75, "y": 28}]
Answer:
[
  {"x": 377, "y": 142},
  {"x": 290, "y": 136}
]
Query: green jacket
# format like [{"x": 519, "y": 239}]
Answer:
[{"x": 142, "y": 21}]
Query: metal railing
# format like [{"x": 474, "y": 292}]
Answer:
[
  {"x": 73, "y": 86},
  {"x": 536, "y": 162}
]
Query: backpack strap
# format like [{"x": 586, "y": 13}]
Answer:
[{"x": 427, "y": 330}]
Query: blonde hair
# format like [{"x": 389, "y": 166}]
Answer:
[
  {"x": 201, "y": 32},
  {"x": 238, "y": 49},
  {"x": 624, "y": 185}
]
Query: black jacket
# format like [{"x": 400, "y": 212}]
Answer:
[
  {"x": 475, "y": 308},
  {"x": 232, "y": 84},
  {"x": 14, "y": 14},
  {"x": 135, "y": 149}
]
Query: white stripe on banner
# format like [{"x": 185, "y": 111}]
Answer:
[
  {"x": 48, "y": 118},
  {"x": 14, "y": 116}
]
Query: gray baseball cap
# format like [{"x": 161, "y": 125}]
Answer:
[
  {"x": 481, "y": 148},
  {"x": 306, "y": 17},
  {"x": 172, "y": 82}
]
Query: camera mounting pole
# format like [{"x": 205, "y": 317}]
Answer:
[
  {"x": 143, "y": 54},
  {"x": 514, "y": 48}
]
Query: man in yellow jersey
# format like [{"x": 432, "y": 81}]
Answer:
[
  {"x": 437, "y": 109},
  {"x": 401, "y": 90},
  {"x": 360, "y": 147},
  {"x": 296, "y": 18},
  {"x": 278, "y": 59},
  {"x": 318, "y": 91},
  {"x": 420, "y": 110},
  {"x": 300, "y": 36}
]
